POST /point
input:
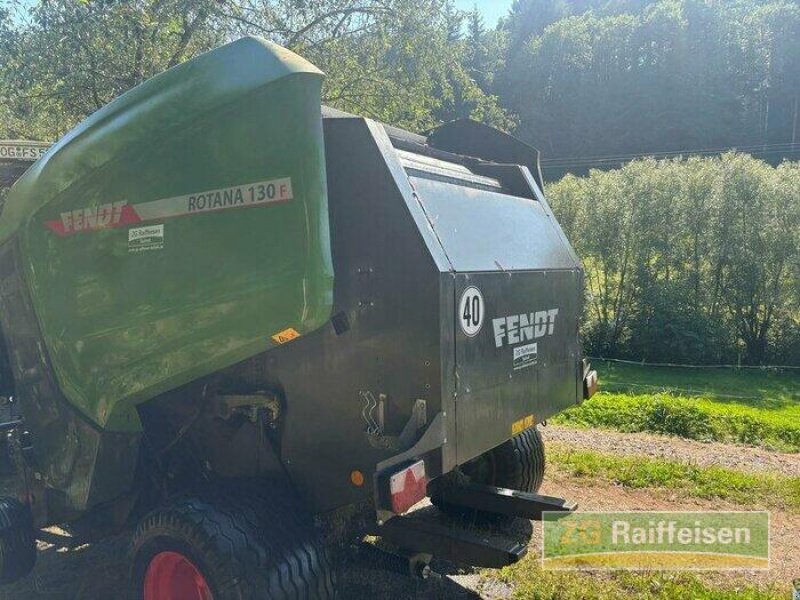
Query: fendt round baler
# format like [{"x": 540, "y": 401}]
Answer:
[{"x": 223, "y": 303}]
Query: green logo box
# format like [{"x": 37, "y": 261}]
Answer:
[{"x": 695, "y": 541}]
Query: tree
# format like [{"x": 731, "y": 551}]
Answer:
[
  {"x": 395, "y": 60},
  {"x": 615, "y": 79}
]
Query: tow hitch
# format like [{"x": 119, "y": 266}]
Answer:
[{"x": 426, "y": 531}]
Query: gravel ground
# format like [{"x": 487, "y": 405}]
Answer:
[
  {"x": 784, "y": 526},
  {"x": 98, "y": 571},
  {"x": 704, "y": 454}
]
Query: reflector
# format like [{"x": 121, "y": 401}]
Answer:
[{"x": 407, "y": 487}]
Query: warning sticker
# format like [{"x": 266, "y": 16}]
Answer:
[
  {"x": 287, "y": 335},
  {"x": 120, "y": 214},
  {"x": 525, "y": 356},
  {"x": 522, "y": 425},
  {"x": 142, "y": 239}
]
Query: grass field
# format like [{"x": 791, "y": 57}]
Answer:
[
  {"x": 749, "y": 491},
  {"x": 750, "y": 407},
  {"x": 744, "y": 406},
  {"x": 531, "y": 582}
]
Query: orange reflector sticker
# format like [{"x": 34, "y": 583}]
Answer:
[
  {"x": 522, "y": 425},
  {"x": 357, "y": 478},
  {"x": 287, "y": 335}
]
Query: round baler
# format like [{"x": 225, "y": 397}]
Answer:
[{"x": 178, "y": 353}]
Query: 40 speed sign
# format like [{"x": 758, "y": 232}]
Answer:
[{"x": 470, "y": 311}]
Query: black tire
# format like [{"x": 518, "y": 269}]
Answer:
[
  {"x": 244, "y": 549},
  {"x": 17, "y": 541},
  {"x": 517, "y": 464}
]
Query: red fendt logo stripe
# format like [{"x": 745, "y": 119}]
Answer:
[
  {"x": 105, "y": 216},
  {"x": 122, "y": 214}
]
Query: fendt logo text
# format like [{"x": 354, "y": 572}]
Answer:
[{"x": 516, "y": 329}]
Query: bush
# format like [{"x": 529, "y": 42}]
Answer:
[
  {"x": 692, "y": 418},
  {"x": 667, "y": 417},
  {"x": 688, "y": 261}
]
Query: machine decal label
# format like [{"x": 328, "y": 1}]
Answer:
[
  {"x": 523, "y": 424},
  {"x": 526, "y": 356},
  {"x": 142, "y": 239},
  {"x": 516, "y": 329},
  {"x": 122, "y": 214},
  {"x": 470, "y": 311},
  {"x": 287, "y": 335}
]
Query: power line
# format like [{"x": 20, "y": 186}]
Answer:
[
  {"x": 567, "y": 164},
  {"x": 687, "y": 366},
  {"x": 760, "y": 149},
  {"x": 753, "y": 147},
  {"x": 686, "y": 151}
]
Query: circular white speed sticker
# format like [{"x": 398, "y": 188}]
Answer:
[{"x": 470, "y": 311}]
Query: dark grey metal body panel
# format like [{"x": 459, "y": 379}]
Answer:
[
  {"x": 487, "y": 231},
  {"x": 492, "y": 393},
  {"x": 411, "y": 227}
]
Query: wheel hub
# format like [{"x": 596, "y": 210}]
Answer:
[{"x": 172, "y": 576}]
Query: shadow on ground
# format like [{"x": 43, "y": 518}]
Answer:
[{"x": 99, "y": 571}]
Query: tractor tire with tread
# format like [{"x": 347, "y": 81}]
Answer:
[
  {"x": 244, "y": 548},
  {"x": 517, "y": 464}
]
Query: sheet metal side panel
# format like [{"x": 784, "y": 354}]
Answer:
[
  {"x": 79, "y": 464},
  {"x": 388, "y": 284},
  {"x": 551, "y": 217},
  {"x": 483, "y": 230},
  {"x": 447, "y": 334},
  {"x": 492, "y": 393},
  {"x": 416, "y": 208}
]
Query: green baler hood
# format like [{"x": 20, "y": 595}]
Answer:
[
  {"x": 147, "y": 115},
  {"x": 144, "y": 269}
]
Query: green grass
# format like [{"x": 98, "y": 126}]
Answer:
[
  {"x": 752, "y": 407},
  {"x": 532, "y": 583},
  {"x": 755, "y": 387},
  {"x": 744, "y": 406},
  {"x": 746, "y": 489}
]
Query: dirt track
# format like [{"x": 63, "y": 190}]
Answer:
[
  {"x": 702, "y": 454},
  {"x": 98, "y": 572}
]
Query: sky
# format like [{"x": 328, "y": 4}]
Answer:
[{"x": 491, "y": 10}]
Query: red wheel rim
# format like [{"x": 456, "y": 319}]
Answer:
[{"x": 172, "y": 576}]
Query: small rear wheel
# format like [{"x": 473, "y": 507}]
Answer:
[
  {"x": 517, "y": 464},
  {"x": 228, "y": 548}
]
